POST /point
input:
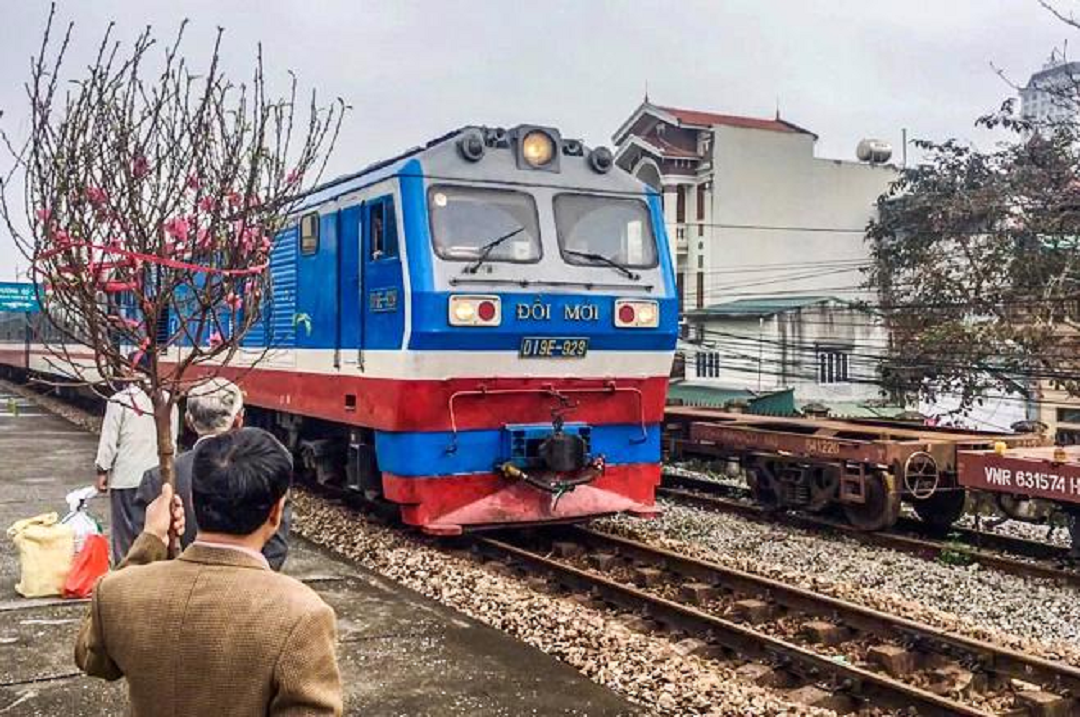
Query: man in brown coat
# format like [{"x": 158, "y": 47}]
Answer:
[{"x": 215, "y": 632}]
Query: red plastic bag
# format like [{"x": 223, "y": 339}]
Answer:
[{"x": 90, "y": 564}]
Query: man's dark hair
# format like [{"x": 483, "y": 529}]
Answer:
[{"x": 236, "y": 478}]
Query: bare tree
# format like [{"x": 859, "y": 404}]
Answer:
[{"x": 153, "y": 193}]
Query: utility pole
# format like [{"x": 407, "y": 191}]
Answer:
[{"x": 760, "y": 329}]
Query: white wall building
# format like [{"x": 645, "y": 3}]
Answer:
[
  {"x": 1050, "y": 95},
  {"x": 824, "y": 348},
  {"x": 752, "y": 210},
  {"x": 769, "y": 243}
]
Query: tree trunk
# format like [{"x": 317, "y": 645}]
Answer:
[
  {"x": 166, "y": 453},
  {"x": 165, "y": 443}
]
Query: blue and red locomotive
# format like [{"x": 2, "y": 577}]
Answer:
[{"x": 479, "y": 331}]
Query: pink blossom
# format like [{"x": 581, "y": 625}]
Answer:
[
  {"x": 44, "y": 214},
  {"x": 249, "y": 237},
  {"x": 96, "y": 196},
  {"x": 178, "y": 228},
  {"x": 233, "y": 198},
  {"x": 139, "y": 166},
  {"x": 215, "y": 339},
  {"x": 208, "y": 204},
  {"x": 293, "y": 177},
  {"x": 193, "y": 181},
  {"x": 203, "y": 239},
  {"x": 137, "y": 357},
  {"x": 61, "y": 237},
  {"x": 233, "y": 301},
  {"x": 266, "y": 244}
]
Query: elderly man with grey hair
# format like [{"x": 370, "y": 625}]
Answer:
[{"x": 214, "y": 407}]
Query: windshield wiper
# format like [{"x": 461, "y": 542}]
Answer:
[
  {"x": 608, "y": 261},
  {"x": 486, "y": 250}
]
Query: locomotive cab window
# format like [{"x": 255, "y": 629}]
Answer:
[
  {"x": 496, "y": 225},
  {"x": 309, "y": 233},
  {"x": 382, "y": 226},
  {"x": 595, "y": 230}
]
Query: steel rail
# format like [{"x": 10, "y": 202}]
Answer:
[
  {"x": 909, "y": 535},
  {"x": 1060, "y": 677},
  {"x": 844, "y": 678}
]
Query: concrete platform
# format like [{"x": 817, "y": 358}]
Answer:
[{"x": 400, "y": 653}]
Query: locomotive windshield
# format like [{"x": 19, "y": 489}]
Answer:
[
  {"x": 472, "y": 224},
  {"x": 609, "y": 229}
]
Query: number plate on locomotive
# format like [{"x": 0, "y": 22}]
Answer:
[{"x": 553, "y": 347}]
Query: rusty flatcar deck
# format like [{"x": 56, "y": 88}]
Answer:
[{"x": 868, "y": 442}]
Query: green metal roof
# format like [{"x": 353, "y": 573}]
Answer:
[
  {"x": 762, "y": 306},
  {"x": 766, "y": 403},
  {"x": 853, "y": 409}
]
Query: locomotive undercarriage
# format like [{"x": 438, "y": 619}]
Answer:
[{"x": 555, "y": 461}]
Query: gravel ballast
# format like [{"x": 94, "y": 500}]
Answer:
[
  {"x": 646, "y": 668},
  {"x": 1033, "y": 615}
]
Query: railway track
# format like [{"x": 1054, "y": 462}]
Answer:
[
  {"x": 831, "y": 653},
  {"x": 1029, "y": 558},
  {"x": 824, "y": 651}
]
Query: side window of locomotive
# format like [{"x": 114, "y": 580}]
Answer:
[
  {"x": 309, "y": 233},
  {"x": 468, "y": 223},
  {"x": 616, "y": 228},
  {"x": 383, "y": 228}
]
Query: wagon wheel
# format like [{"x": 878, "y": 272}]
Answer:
[
  {"x": 761, "y": 490},
  {"x": 943, "y": 508},
  {"x": 881, "y": 508},
  {"x": 921, "y": 475}
]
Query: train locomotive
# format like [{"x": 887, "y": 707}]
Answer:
[{"x": 478, "y": 331}]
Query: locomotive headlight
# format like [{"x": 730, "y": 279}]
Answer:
[
  {"x": 636, "y": 314},
  {"x": 464, "y": 312},
  {"x": 474, "y": 311},
  {"x": 538, "y": 148}
]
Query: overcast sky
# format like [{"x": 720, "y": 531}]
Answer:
[{"x": 413, "y": 70}]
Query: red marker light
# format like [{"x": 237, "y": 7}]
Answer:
[
  {"x": 626, "y": 314},
  {"x": 486, "y": 311}
]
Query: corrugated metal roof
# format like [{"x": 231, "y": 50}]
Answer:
[
  {"x": 762, "y": 306},
  {"x": 769, "y": 403},
  {"x": 854, "y": 409}
]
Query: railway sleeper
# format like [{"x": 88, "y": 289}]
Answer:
[
  {"x": 938, "y": 662},
  {"x": 854, "y": 685}
]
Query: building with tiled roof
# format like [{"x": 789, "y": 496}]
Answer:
[{"x": 769, "y": 247}]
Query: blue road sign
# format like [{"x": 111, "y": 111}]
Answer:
[{"x": 16, "y": 296}]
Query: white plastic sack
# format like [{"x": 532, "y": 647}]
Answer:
[{"x": 79, "y": 518}]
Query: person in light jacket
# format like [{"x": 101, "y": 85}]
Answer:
[{"x": 127, "y": 448}]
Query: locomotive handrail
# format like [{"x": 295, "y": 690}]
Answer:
[{"x": 548, "y": 390}]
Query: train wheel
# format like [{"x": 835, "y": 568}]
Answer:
[
  {"x": 761, "y": 488},
  {"x": 942, "y": 509},
  {"x": 881, "y": 508}
]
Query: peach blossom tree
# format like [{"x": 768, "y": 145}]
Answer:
[{"x": 151, "y": 192}]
